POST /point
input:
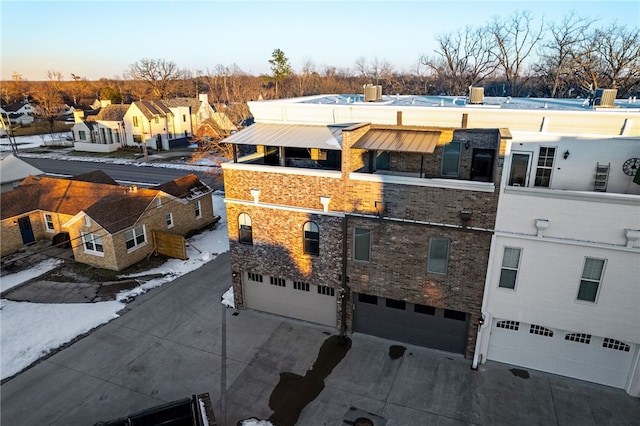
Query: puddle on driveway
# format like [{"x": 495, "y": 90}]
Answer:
[
  {"x": 524, "y": 374},
  {"x": 396, "y": 351},
  {"x": 294, "y": 392}
]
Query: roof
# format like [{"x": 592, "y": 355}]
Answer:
[
  {"x": 96, "y": 176},
  {"x": 184, "y": 187},
  {"x": 114, "y": 207},
  {"x": 193, "y": 103},
  {"x": 112, "y": 113},
  {"x": 153, "y": 108},
  {"x": 289, "y": 135},
  {"x": 415, "y": 141},
  {"x": 13, "y": 169}
]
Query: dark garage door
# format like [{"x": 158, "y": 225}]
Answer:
[{"x": 422, "y": 325}]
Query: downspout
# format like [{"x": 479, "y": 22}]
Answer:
[
  {"x": 344, "y": 291},
  {"x": 485, "y": 319}
]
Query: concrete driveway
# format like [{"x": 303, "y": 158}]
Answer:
[{"x": 167, "y": 346}]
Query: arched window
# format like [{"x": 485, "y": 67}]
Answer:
[
  {"x": 311, "y": 238},
  {"x": 244, "y": 226}
]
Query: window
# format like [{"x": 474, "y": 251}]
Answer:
[
  {"x": 82, "y": 135},
  {"x": 156, "y": 119},
  {"x": 159, "y": 202},
  {"x": 311, "y": 238},
  {"x": 519, "y": 168},
  {"x": 184, "y": 118},
  {"x": 48, "y": 222},
  {"x": 395, "y": 304},
  {"x": 367, "y": 298},
  {"x": 590, "y": 282},
  {"x": 326, "y": 290},
  {"x": 280, "y": 282},
  {"x": 510, "y": 262},
  {"x": 509, "y": 325},
  {"x": 455, "y": 315},
  {"x": 299, "y": 285},
  {"x": 578, "y": 337},
  {"x": 361, "y": 244},
  {"x": 438, "y": 255},
  {"x": 169, "y": 219},
  {"x": 451, "y": 159},
  {"x": 137, "y": 138},
  {"x": 92, "y": 243},
  {"x": 615, "y": 345},
  {"x": 135, "y": 121},
  {"x": 540, "y": 330},
  {"x": 423, "y": 309},
  {"x": 244, "y": 226},
  {"x": 135, "y": 238},
  {"x": 545, "y": 166},
  {"x": 87, "y": 220},
  {"x": 254, "y": 277},
  {"x": 197, "y": 209}
]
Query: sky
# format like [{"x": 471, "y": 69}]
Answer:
[
  {"x": 101, "y": 39},
  {"x": 32, "y": 330}
]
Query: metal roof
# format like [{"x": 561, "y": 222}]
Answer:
[
  {"x": 416, "y": 141},
  {"x": 289, "y": 135}
]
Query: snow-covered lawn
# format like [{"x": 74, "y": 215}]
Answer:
[{"x": 29, "y": 331}]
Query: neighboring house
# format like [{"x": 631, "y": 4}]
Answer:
[
  {"x": 19, "y": 112},
  {"x": 390, "y": 215},
  {"x": 103, "y": 133},
  {"x": 109, "y": 226},
  {"x": 167, "y": 124},
  {"x": 13, "y": 170},
  {"x": 563, "y": 288}
]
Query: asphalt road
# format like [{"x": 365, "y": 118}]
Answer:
[{"x": 148, "y": 175}]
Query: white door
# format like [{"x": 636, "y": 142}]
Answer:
[
  {"x": 291, "y": 299},
  {"x": 580, "y": 356}
]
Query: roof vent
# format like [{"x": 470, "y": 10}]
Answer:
[
  {"x": 604, "y": 97},
  {"x": 476, "y": 95},
  {"x": 372, "y": 93}
]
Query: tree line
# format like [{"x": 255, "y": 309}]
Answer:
[{"x": 509, "y": 56}]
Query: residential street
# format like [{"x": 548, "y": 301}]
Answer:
[{"x": 168, "y": 346}]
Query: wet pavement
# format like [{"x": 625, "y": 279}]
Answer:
[{"x": 167, "y": 345}]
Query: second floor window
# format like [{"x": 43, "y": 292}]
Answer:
[
  {"x": 362, "y": 244},
  {"x": 509, "y": 271},
  {"x": 590, "y": 281},
  {"x": 451, "y": 159},
  {"x": 244, "y": 229},
  {"x": 311, "y": 238},
  {"x": 545, "y": 166},
  {"x": 135, "y": 121},
  {"x": 438, "y": 256}
]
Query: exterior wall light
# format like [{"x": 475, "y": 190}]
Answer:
[{"x": 566, "y": 154}]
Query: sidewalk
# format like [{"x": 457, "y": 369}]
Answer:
[{"x": 167, "y": 346}]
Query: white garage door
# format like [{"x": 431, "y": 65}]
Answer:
[
  {"x": 581, "y": 356},
  {"x": 293, "y": 299}
]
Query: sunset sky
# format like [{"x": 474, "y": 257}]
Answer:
[{"x": 96, "y": 39}]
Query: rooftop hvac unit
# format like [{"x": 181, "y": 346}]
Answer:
[
  {"x": 378, "y": 93},
  {"x": 370, "y": 93},
  {"x": 604, "y": 97},
  {"x": 476, "y": 95}
]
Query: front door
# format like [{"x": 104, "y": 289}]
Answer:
[
  {"x": 25, "y": 230},
  {"x": 482, "y": 165}
]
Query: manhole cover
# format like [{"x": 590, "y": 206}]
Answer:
[{"x": 363, "y": 421}]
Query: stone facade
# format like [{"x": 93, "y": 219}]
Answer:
[{"x": 402, "y": 214}]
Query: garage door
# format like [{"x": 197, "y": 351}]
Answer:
[
  {"x": 422, "y": 325},
  {"x": 293, "y": 299},
  {"x": 582, "y": 356}
]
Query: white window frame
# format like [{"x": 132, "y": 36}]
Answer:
[
  {"x": 311, "y": 228},
  {"x": 504, "y": 267},
  {"x": 589, "y": 279},
  {"x": 545, "y": 167},
  {"x": 48, "y": 222},
  {"x": 198, "y": 209},
  {"x": 136, "y": 233},
  {"x": 244, "y": 220},
  {"x": 91, "y": 242},
  {"x": 87, "y": 221},
  {"x": 169, "y": 220},
  {"x": 527, "y": 154},
  {"x": 430, "y": 259},
  {"x": 355, "y": 240}
]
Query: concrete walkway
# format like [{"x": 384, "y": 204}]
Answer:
[{"x": 168, "y": 346}]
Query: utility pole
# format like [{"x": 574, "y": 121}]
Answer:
[{"x": 9, "y": 132}]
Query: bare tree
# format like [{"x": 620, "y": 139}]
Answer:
[
  {"x": 556, "y": 57},
  {"x": 78, "y": 88},
  {"x": 377, "y": 69},
  {"x": 619, "y": 51},
  {"x": 158, "y": 74},
  {"x": 515, "y": 37},
  {"x": 48, "y": 96},
  {"x": 464, "y": 58}
]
